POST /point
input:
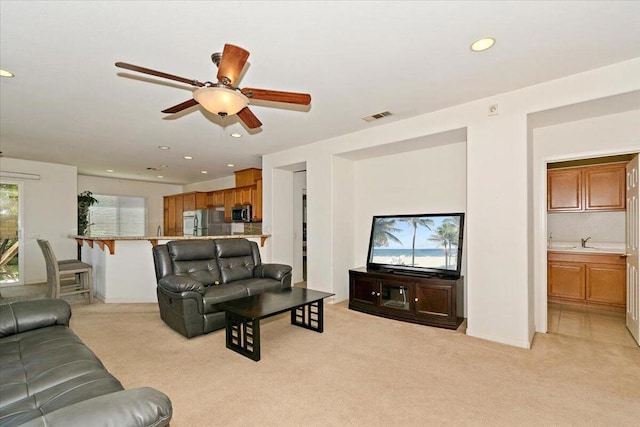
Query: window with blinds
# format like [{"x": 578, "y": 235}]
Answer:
[{"x": 118, "y": 216}]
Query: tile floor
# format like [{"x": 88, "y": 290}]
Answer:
[{"x": 589, "y": 323}]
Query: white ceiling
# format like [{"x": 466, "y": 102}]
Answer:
[{"x": 69, "y": 104}]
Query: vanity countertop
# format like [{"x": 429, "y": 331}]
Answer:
[{"x": 591, "y": 248}]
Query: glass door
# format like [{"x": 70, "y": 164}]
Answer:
[{"x": 10, "y": 233}]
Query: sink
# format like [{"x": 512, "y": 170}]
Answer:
[{"x": 597, "y": 248}]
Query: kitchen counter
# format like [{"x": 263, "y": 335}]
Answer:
[
  {"x": 128, "y": 274},
  {"x": 591, "y": 248},
  {"x": 109, "y": 241}
]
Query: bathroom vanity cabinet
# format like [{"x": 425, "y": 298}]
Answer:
[{"x": 596, "y": 279}]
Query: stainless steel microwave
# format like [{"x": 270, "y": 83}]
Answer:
[{"x": 241, "y": 213}]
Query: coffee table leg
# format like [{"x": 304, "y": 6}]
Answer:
[
  {"x": 309, "y": 316},
  {"x": 243, "y": 335}
]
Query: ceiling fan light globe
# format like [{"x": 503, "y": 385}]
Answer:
[{"x": 220, "y": 100}]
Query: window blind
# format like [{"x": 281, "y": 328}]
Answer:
[{"x": 118, "y": 216}]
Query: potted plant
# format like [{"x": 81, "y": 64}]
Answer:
[{"x": 85, "y": 201}]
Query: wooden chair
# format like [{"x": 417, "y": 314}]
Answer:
[{"x": 58, "y": 271}]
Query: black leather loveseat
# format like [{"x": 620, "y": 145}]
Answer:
[
  {"x": 196, "y": 275},
  {"x": 48, "y": 377}
]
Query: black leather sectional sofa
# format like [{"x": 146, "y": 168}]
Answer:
[
  {"x": 195, "y": 275},
  {"x": 48, "y": 377}
]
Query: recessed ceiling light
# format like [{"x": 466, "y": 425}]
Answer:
[
  {"x": 188, "y": 158},
  {"x": 483, "y": 44},
  {"x": 230, "y": 165},
  {"x": 203, "y": 171},
  {"x": 5, "y": 73},
  {"x": 160, "y": 176},
  {"x": 109, "y": 170},
  {"x": 236, "y": 135},
  {"x": 164, "y": 147}
]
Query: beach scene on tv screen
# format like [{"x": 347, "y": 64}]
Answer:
[{"x": 418, "y": 241}]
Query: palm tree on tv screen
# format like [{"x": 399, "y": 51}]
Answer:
[
  {"x": 383, "y": 232},
  {"x": 415, "y": 222},
  {"x": 447, "y": 235}
]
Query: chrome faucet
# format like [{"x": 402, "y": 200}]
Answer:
[{"x": 583, "y": 242}]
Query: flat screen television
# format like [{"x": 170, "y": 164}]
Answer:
[{"x": 424, "y": 245}]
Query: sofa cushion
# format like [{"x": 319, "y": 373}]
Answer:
[
  {"x": 237, "y": 268},
  {"x": 256, "y": 286},
  {"x": 216, "y": 294},
  {"x": 236, "y": 259},
  {"x": 196, "y": 259},
  {"x": 188, "y": 250},
  {"x": 47, "y": 369}
]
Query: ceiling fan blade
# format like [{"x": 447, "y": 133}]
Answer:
[
  {"x": 249, "y": 118},
  {"x": 231, "y": 64},
  {"x": 274, "y": 95},
  {"x": 182, "y": 106},
  {"x": 158, "y": 73}
]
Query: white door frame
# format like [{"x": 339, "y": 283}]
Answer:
[
  {"x": 540, "y": 240},
  {"x": 632, "y": 251},
  {"x": 21, "y": 241}
]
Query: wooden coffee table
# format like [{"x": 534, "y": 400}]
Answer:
[{"x": 242, "y": 318}]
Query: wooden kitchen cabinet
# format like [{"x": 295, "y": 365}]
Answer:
[
  {"x": 586, "y": 188},
  {"x": 247, "y": 176},
  {"x": 244, "y": 195},
  {"x": 229, "y": 201},
  {"x": 194, "y": 200},
  {"x": 248, "y": 191},
  {"x": 215, "y": 198},
  {"x": 173, "y": 209},
  {"x": 591, "y": 279},
  {"x": 257, "y": 202}
]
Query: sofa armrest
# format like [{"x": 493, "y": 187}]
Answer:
[
  {"x": 181, "y": 283},
  {"x": 272, "y": 271},
  {"x": 137, "y": 407},
  {"x": 22, "y": 316}
]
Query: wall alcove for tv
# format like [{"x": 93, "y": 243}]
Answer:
[{"x": 423, "y": 174}]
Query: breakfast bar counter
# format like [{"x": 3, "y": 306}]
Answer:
[{"x": 123, "y": 270}]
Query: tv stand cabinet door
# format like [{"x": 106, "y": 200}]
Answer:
[
  {"x": 364, "y": 291},
  {"x": 435, "y": 301}
]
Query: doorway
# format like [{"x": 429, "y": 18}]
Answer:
[
  {"x": 304, "y": 236},
  {"x": 10, "y": 233},
  {"x": 586, "y": 279}
]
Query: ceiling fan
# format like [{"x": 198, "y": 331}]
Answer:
[{"x": 223, "y": 98}]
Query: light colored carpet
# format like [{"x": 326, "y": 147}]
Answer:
[{"x": 364, "y": 371}]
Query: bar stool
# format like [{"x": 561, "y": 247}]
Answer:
[{"x": 58, "y": 271}]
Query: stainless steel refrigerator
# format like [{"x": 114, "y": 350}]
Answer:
[{"x": 205, "y": 222}]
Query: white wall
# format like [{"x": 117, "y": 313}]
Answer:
[
  {"x": 50, "y": 213},
  {"x": 431, "y": 180},
  {"x": 211, "y": 185},
  {"x": 151, "y": 191},
  {"x": 594, "y": 137},
  {"x": 499, "y": 216}
]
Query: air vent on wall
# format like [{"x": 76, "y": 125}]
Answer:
[{"x": 376, "y": 116}]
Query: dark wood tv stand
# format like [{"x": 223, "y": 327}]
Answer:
[{"x": 433, "y": 301}]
